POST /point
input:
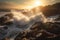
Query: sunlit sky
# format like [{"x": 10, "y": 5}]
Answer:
[{"x": 25, "y": 3}]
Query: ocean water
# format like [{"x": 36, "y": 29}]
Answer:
[{"x": 20, "y": 22}]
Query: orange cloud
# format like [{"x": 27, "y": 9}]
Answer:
[{"x": 10, "y": 5}]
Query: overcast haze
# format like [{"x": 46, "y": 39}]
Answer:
[{"x": 21, "y": 3}]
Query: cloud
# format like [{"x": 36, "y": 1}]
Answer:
[
  {"x": 9, "y": 5},
  {"x": 16, "y": 4},
  {"x": 23, "y": 4},
  {"x": 49, "y": 2},
  {"x": 6, "y": 5}
]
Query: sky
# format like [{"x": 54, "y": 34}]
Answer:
[{"x": 23, "y": 3}]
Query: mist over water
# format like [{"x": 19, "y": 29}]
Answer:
[{"x": 22, "y": 22}]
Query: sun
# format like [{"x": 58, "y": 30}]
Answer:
[{"x": 37, "y": 3}]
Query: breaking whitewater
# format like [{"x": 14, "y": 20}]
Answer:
[{"x": 16, "y": 21}]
